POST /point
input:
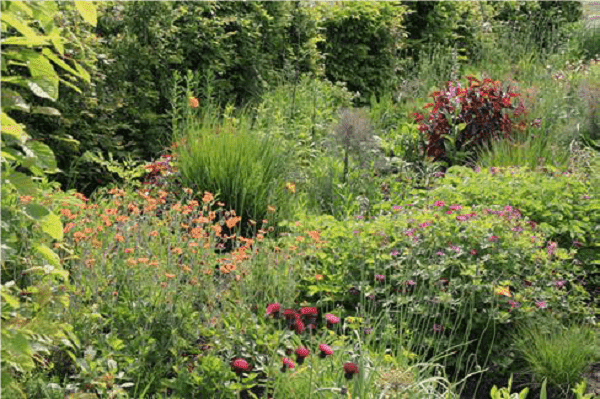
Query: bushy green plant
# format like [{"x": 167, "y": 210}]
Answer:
[
  {"x": 362, "y": 44},
  {"x": 468, "y": 270},
  {"x": 557, "y": 353}
]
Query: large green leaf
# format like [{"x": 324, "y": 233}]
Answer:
[
  {"x": 44, "y": 154},
  {"x": 48, "y": 254},
  {"x": 12, "y": 20},
  {"x": 27, "y": 41},
  {"x": 45, "y": 111},
  {"x": 43, "y": 75},
  {"x": 36, "y": 211},
  {"x": 53, "y": 226},
  {"x": 87, "y": 11},
  {"x": 23, "y": 183},
  {"x": 52, "y": 57},
  {"x": 12, "y": 128},
  {"x": 13, "y": 100}
]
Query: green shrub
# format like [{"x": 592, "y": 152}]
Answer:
[
  {"x": 451, "y": 275},
  {"x": 362, "y": 44}
]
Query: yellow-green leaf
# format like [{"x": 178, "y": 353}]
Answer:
[
  {"x": 87, "y": 11},
  {"x": 12, "y": 20},
  {"x": 48, "y": 254},
  {"x": 27, "y": 41},
  {"x": 52, "y": 226}
]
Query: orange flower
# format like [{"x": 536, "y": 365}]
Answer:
[
  {"x": 207, "y": 197},
  {"x": 122, "y": 218},
  {"x": 65, "y": 212},
  {"x": 154, "y": 233},
  {"x": 88, "y": 230},
  {"x": 314, "y": 235},
  {"x": 184, "y": 226},
  {"x": 177, "y": 251},
  {"x": 192, "y": 244},
  {"x": 231, "y": 222},
  {"x": 186, "y": 268},
  {"x": 111, "y": 211},
  {"x": 193, "y": 102},
  {"x": 128, "y": 250},
  {"x": 134, "y": 209},
  {"x": 143, "y": 260},
  {"x": 212, "y": 215},
  {"x": 153, "y": 263},
  {"x": 193, "y": 281},
  {"x": 169, "y": 276},
  {"x": 119, "y": 238},
  {"x": 201, "y": 220},
  {"x": 220, "y": 203},
  {"x": 193, "y": 204},
  {"x": 299, "y": 238},
  {"x": 131, "y": 262},
  {"x": 188, "y": 191},
  {"x": 68, "y": 227},
  {"x": 79, "y": 236},
  {"x": 270, "y": 208},
  {"x": 90, "y": 262},
  {"x": 318, "y": 277},
  {"x": 80, "y": 196},
  {"x": 176, "y": 207},
  {"x": 26, "y": 199},
  {"x": 217, "y": 229}
]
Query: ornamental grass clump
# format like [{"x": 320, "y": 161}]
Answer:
[{"x": 243, "y": 167}]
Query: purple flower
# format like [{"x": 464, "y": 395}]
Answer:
[
  {"x": 425, "y": 224},
  {"x": 394, "y": 253},
  {"x": 455, "y": 207},
  {"x": 517, "y": 229},
  {"x": 396, "y": 208},
  {"x": 439, "y": 253},
  {"x": 438, "y": 203},
  {"x": 541, "y": 304},
  {"x": 586, "y": 197},
  {"x": 559, "y": 284},
  {"x": 380, "y": 278},
  {"x": 356, "y": 232},
  {"x": 360, "y": 217}
]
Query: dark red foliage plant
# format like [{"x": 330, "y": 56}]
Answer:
[{"x": 463, "y": 119}]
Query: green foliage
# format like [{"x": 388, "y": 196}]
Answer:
[
  {"x": 362, "y": 44},
  {"x": 29, "y": 227},
  {"x": 556, "y": 353},
  {"x": 455, "y": 264},
  {"x": 504, "y": 393}
]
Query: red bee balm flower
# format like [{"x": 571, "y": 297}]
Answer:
[
  {"x": 239, "y": 365},
  {"x": 325, "y": 350},
  {"x": 301, "y": 354},
  {"x": 309, "y": 312},
  {"x": 350, "y": 369},
  {"x": 331, "y": 320},
  {"x": 273, "y": 309},
  {"x": 287, "y": 364}
]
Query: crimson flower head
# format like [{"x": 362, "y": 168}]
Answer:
[
  {"x": 299, "y": 325},
  {"x": 350, "y": 369},
  {"x": 273, "y": 309},
  {"x": 239, "y": 365},
  {"x": 331, "y": 320},
  {"x": 380, "y": 278},
  {"x": 287, "y": 364},
  {"x": 301, "y": 354},
  {"x": 309, "y": 311},
  {"x": 325, "y": 350}
]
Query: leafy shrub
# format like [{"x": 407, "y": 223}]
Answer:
[
  {"x": 362, "y": 44},
  {"x": 547, "y": 18},
  {"x": 463, "y": 119},
  {"x": 455, "y": 273}
]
